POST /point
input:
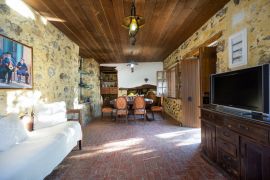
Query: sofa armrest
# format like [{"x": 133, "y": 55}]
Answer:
[{"x": 74, "y": 111}]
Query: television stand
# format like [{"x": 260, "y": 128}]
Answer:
[{"x": 236, "y": 142}]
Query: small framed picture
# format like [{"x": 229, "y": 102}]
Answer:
[
  {"x": 238, "y": 49},
  {"x": 16, "y": 64}
]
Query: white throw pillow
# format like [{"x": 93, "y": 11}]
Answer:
[
  {"x": 47, "y": 115},
  {"x": 12, "y": 131}
]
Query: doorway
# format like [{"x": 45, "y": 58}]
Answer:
[{"x": 195, "y": 78}]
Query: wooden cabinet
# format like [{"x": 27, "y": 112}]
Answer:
[
  {"x": 239, "y": 145},
  {"x": 109, "y": 90},
  {"x": 108, "y": 84},
  {"x": 255, "y": 160},
  {"x": 209, "y": 140},
  {"x": 228, "y": 151}
]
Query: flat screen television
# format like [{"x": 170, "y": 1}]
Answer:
[{"x": 246, "y": 89}]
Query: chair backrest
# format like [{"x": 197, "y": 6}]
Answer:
[
  {"x": 152, "y": 95},
  {"x": 139, "y": 102},
  {"x": 121, "y": 103}
]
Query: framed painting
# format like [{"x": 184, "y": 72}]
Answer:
[
  {"x": 16, "y": 64},
  {"x": 238, "y": 49}
]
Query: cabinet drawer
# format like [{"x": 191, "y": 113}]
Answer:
[
  {"x": 207, "y": 115},
  {"x": 212, "y": 117},
  {"x": 105, "y": 90},
  {"x": 251, "y": 130},
  {"x": 114, "y": 91},
  {"x": 227, "y": 135},
  {"x": 227, "y": 147},
  {"x": 228, "y": 163}
]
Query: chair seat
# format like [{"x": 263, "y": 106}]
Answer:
[
  {"x": 122, "y": 112},
  {"x": 156, "y": 108},
  {"x": 107, "y": 110},
  {"x": 139, "y": 111}
]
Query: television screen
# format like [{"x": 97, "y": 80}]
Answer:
[{"x": 241, "y": 89}]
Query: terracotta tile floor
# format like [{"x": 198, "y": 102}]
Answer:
[{"x": 153, "y": 150}]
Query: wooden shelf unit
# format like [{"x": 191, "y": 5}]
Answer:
[{"x": 108, "y": 84}]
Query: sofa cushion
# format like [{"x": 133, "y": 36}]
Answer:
[
  {"x": 37, "y": 156},
  {"x": 47, "y": 115},
  {"x": 12, "y": 131}
]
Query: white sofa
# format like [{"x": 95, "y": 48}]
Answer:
[{"x": 37, "y": 156}]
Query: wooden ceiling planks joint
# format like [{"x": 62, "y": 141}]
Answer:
[{"x": 95, "y": 25}]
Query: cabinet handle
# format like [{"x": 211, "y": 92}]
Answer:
[
  {"x": 243, "y": 127},
  {"x": 229, "y": 126},
  {"x": 226, "y": 134}
]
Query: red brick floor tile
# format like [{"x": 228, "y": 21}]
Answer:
[{"x": 158, "y": 150}]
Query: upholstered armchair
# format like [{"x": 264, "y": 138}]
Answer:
[
  {"x": 121, "y": 106},
  {"x": 139, "y": 107}
]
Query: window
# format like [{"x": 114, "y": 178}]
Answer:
[
  {"x": 161, "y": 83},
  {"x": 171, "y": 80}
]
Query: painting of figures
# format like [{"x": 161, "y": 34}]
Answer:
[{"x": 15, "y": 64}]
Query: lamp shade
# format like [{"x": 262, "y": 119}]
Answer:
[{"x": 127, "y": 21}]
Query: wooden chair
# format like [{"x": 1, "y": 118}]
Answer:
[
  {"x": 157, "y": 108},
  {"x": 121, "y": 106},
  {"x": 139, "y": 107},
  {"x": 106, "y": 110}
]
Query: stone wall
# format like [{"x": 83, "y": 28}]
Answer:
[
  {"x": 173, "y": 107},
  {"x": 91, "y": 78},
  {"x": 251, "y": 14},
  {"x": 55, "y": 61}
]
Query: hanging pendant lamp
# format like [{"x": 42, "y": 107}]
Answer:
[{"x": 133, "y": 23}]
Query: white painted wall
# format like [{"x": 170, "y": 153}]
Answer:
[{"x": 126, "y": 79}]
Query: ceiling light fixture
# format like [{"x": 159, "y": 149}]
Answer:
[
  {"x": 133, "y": 23},
  {"x": 132, "y": 65}
]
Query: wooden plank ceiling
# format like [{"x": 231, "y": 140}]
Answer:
[{"x": 95, "y": 25}]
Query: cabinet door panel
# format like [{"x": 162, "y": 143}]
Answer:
[
  {"x": 209, "y": 140},
  {"x": 255, "y": 160}
]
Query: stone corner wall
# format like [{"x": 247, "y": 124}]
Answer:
[{"x": 91, "y": 66}]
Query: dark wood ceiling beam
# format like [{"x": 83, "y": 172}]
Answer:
[
  {"x": 44, "y": 9},
  {"x": 198, "y": 18},
  {"x": 118, "y": 7},
  {"x": 155, "y": 29},
  {"x": 80, "y": 24},
  {"x": 95, "y": 25},
  {"x": 106, "y": 29}
]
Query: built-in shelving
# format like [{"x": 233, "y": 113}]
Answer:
[{"x": 108, "y": 84}]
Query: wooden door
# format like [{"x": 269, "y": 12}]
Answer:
[
  {"x": 208, "y": 58},
  {"x": 255, "y": 160},
  {"x": 190, "y": 94}
]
